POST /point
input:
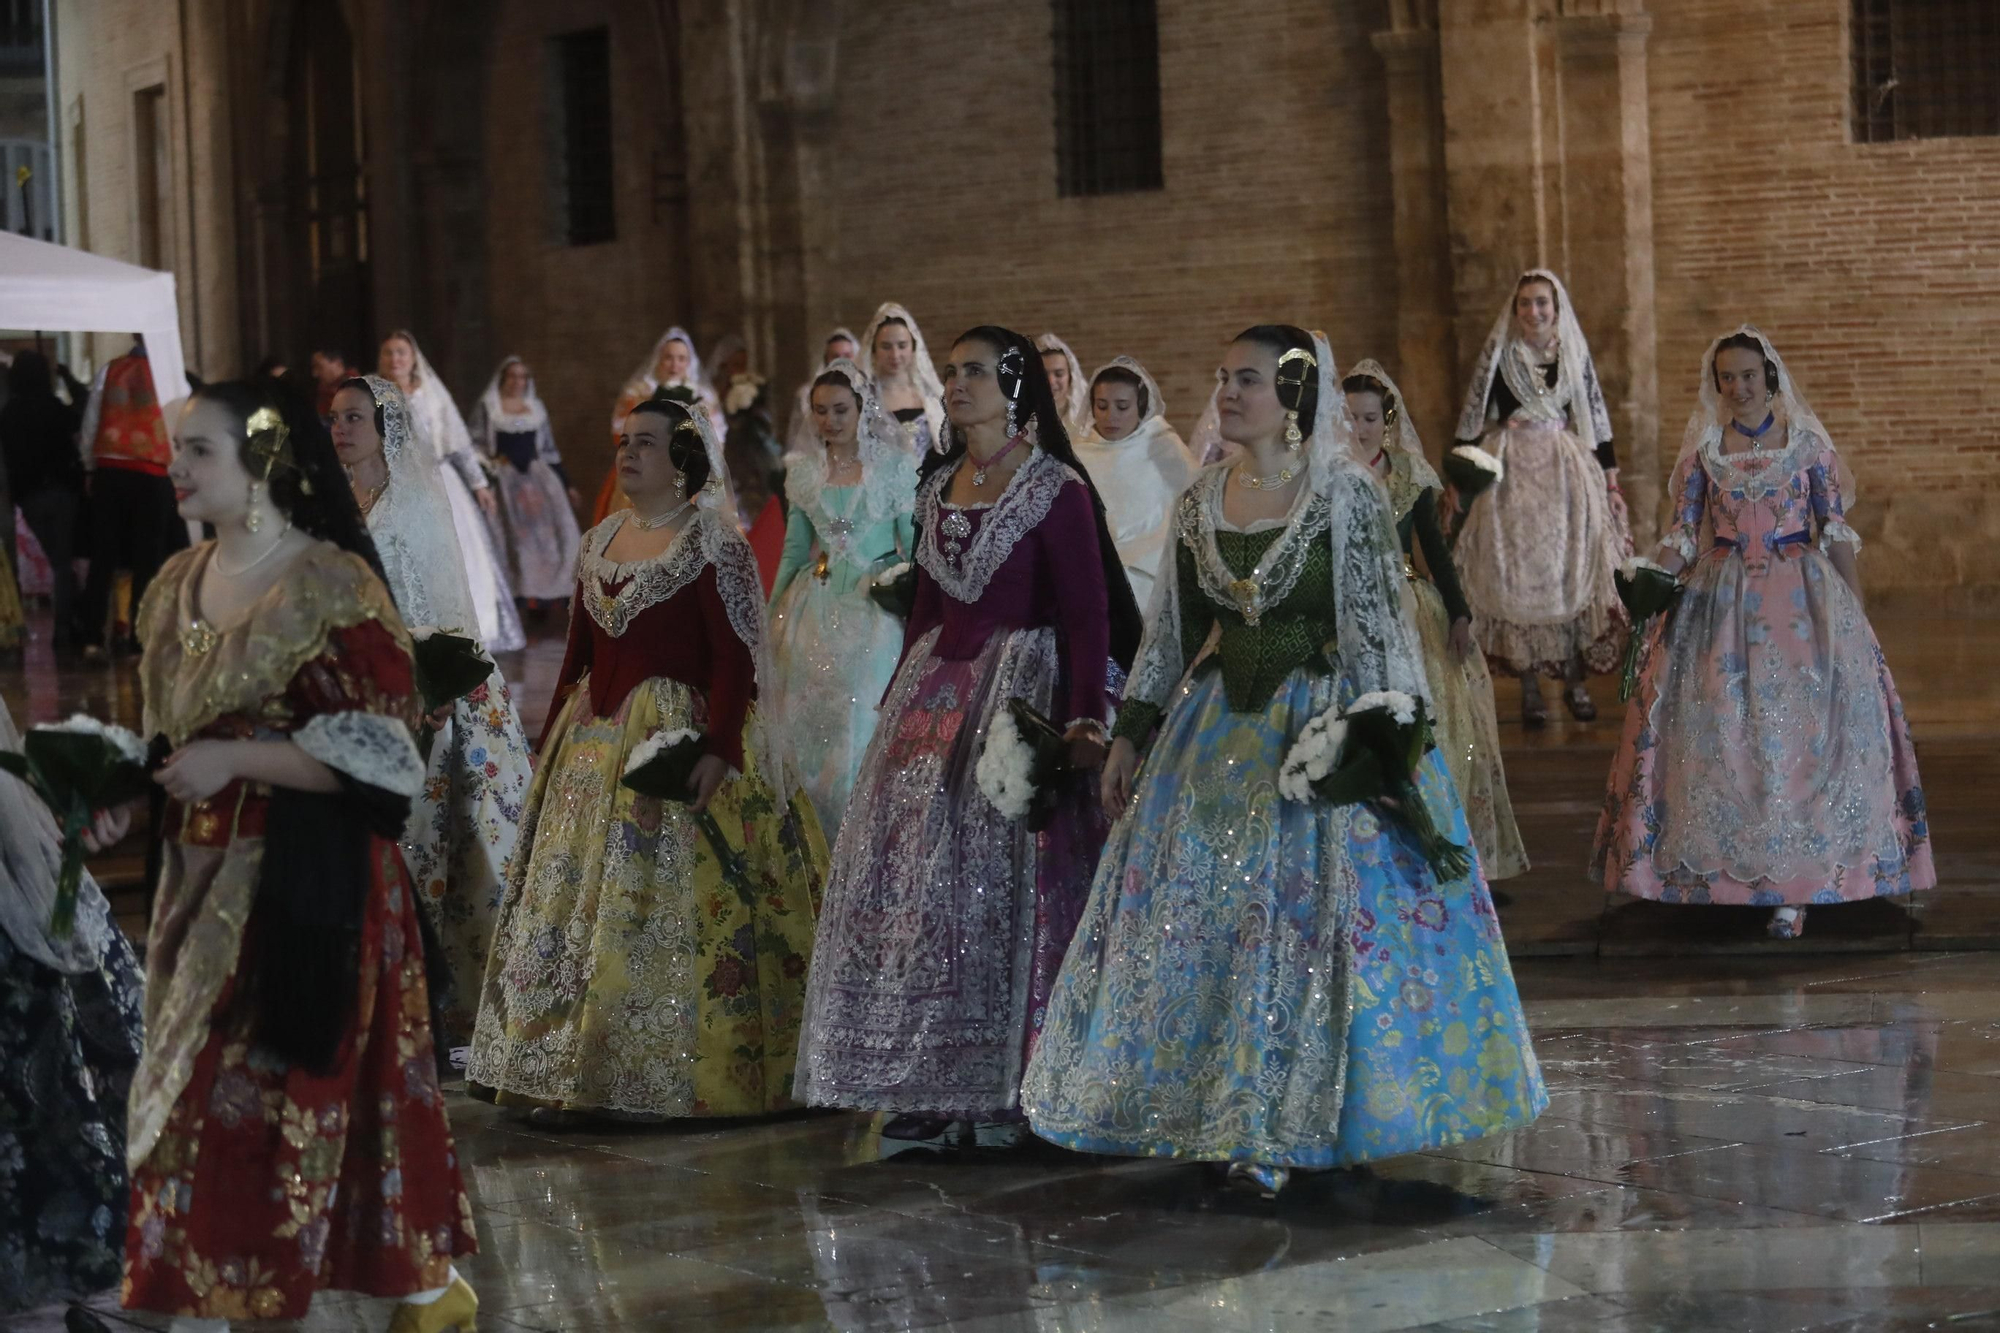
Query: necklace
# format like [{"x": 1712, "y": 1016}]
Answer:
[
  {"x": 979, "y": 465},
  {"x": 369, "y": 500},
  {"x": 1757, "y": 434},
  {"x": 239, "y": 573},
  {"x": 1271, "y": 482},
  {"x": 645, "y": 524}
]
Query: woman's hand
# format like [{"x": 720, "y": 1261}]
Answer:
[
  {"x": 709, "y": 771},
  {"x": 487, "y": 504},
  {"x": 1673, "y": 562},
  {"x": 1114, "y": 787},
  {"x": 108, "y": 828},
  {"x": 1461, "y": 637},
  {"x": 437, "y": 717},
  {"x": 198, "y": 771},
  {"x": 1086, "y": 745}
]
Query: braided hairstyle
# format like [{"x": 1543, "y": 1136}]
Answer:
[{"x": 1025, "y": 380}]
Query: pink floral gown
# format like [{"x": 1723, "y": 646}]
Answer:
[{"x": 1765, "y": 758}]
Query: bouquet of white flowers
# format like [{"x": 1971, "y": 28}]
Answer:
[
  {"x": 1017, "y": 771},
  {"x": 448, "y": 667},
  {"x": 1646, "y": 589},
  {"x": 1367, "y": 752},
  {"x": 77, "y": 768},
  {"x": 1472, "y": 472},
  {"x": 894, "y": 589},
  {"x": 662, "y": 766}
]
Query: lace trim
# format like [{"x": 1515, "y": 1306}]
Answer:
[
  {"x": 1539, "y": 400},
  {"x": 1681, "y": 542},
  {"x": 1276, "y": 574},
  {"x": 1776, "y": 472},
  {"x": 367, "y": 747},
  {"x": 1837, "y": 531},
  {"x": 1409, "y": 477},
  {"x": 645, "y": 583},
  {"x": 1020, "y": 508}
]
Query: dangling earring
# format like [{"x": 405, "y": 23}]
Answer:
[
  {"x": 680, "y": 485},
  {"x": 1012, "y": 428},
  {"x": 1034, "y": 432},
  {"x": 253, "y": 518},
  {"x": 1293, "y": 439}
]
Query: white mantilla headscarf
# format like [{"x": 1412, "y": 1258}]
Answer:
[
  {"x": 1577, "y": 386},
  {"x": 643, "y": 382},
  {"x": 1076, "y": 407},
  {"x": 1403, "y": 437},
  {"x": 923, "y": 371},
  {"x": 801, "y": 437},
  {"x": 534, "y": 418},
  {"x": 888, "y": 468},
  {"x": 412, "y": 526}
]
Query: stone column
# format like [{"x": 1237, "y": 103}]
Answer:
[
  {"x": 1426, "y": 347},
  {"x": 1607, "y": 207}
]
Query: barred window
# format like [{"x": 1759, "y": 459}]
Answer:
[
  {"x": 1925, "y": 69},
  {"x": 1107, "y": 55},
  {"x": 582, "y": 62}
]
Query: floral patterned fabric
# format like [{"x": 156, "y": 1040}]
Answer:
[
  {"x": 269, "y": 1182},
  {"x": 462, "y": 831},
  {"x": 1765, "y": 758},
  {"x": 68, "y": 1046},
  {"x": 631, "y": 973},
  {"x": 1261, "y": 980}
]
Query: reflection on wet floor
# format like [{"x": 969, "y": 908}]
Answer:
[{"x": 1731, "y": 1146}]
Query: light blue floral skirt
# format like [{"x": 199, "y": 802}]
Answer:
[{"x": 1261, "y": 980}]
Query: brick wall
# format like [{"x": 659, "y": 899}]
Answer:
[
  {"x": 1276, "y": 204},
  {"x": 1871, "y": 267}
]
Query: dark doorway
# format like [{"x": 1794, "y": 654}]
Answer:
[{"x": 327, "y": 189}]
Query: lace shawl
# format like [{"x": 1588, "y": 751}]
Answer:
[
  {"x": 710, "y": 539},
  {"x": 1020, "y": 508},
  {"x": 1576, "y": 388},
  {"x": 1374, "y": 633},
  {"x": 413, "y": 528}
]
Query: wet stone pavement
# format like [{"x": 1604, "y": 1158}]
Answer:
[{"x": 1734, "y": 1144}]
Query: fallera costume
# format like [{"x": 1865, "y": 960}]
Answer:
[
  {"x": 1140, "y": 478},
  {"x": 537, "y": 522}
]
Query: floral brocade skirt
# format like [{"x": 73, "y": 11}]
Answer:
[
  {"x": 1468, "y": 738},
  {"x": 1765, "y": 758},
  {"x": 945, "y": 921},
  {"x": 835, "y": 651},
  {"x": 1261, "y": 980},
  {"x": 462, "y": 831},
  {"x": 634, "y": 972},
  {"x": 538, "y": 531},
  {"x": 269, "y": 1183}
]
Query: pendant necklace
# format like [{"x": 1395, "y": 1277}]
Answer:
[
  {"x": 1272, "y": 482},
  {"x": 979, "y": 465},
  {"x": 1756, "y": 437},
  {"x": 239, "y": 573}
]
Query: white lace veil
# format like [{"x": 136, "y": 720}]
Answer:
[
  {"x": 922, "y": 369},
  {"x": 888, "y": 469},
  {"x": 742, "y": 591},
  {"x": 1076, "y": 405},
  {"x": 426, "y": 376},
  {"x": 1342, "y": 503},
  {"x": 412, "y": 527},
  {"x": 1403, "y": 436},
  {"x": 644, "y": 381},
  {"x": 1156, "y": 402},
  {"x": 1706, "y": 422},
  {"x": 801, "y": 437},
  {"x": 1582, "y": 393},
  {"x": 538, "y": 412}
]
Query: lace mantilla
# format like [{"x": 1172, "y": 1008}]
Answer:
[
  {"x": 1577, "y": 385},
  {"x": 642, "y": 584},
  {"x": 1022, "y": 505},
  {"x": 1527, "y": 380},
  {"x": 1276, "y": 574},
  {"x": 367, "y": 747}
]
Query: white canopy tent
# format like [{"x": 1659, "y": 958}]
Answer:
[{"x": 57, "y": 289}]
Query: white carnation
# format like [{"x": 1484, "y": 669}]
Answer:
[
  {"x": 742, "y": 394},
  {"x": 655, "y": 745},
  {"x": 1311, "y": 757},
  {"x": 1394, "y": 702},
  {"x": 892, "y": 573},
  {"x": 130, "y": 747},
  {"x": 1005, "y": 771},
  {"x": 1480, "y": 459}
]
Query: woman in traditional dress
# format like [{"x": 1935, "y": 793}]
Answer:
[
  {"x": 510, "y": 426},
  {"x": 802, "y": 436},
  {"x": 906, "y": 379},
  {"x": 1766, "y": 759},
  {"x": 640, "y": 970},
  {"x": 1536, "y": 552},
  {"x": 464, "y": 823},
  {"x": 1468, "y": 736},
  {"x": 1138, "y": 464},
  {"x": 1266, "y": 982},
  {"x": 835, "y": 649},
  {"x": 286, "y": 1134},
  {"x": 672, "y": 365},
  {"x": 435, "y": 422},
  {"x": 1066, "y": 382},
  {"x": 945, "y": 920},
  {"x": 69, "y": 1042}
]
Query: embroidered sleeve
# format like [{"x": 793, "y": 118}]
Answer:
[
  {"x": 1828, "y": 505},
  {"x": 1177, "y": 628},
  {"x": 575, "y": 663},
  {"x": 732, "y": 676},
  {"x": 357, "y": 707},
  {"x": 1689, "y": 489}
]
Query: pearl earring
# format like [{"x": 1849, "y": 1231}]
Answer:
[
  {"x": 253, "y": 518},
  {"x": 1293, "y": 439}
]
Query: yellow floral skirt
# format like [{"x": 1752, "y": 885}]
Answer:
[
  {"x": 635, "y": 972},
  {"x": 1468, "y": 738}
]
